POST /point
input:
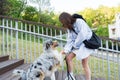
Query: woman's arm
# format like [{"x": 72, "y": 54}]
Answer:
[{"x": 69, "y": 43}]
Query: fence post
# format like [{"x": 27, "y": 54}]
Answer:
[
  {"x": 118, "y": 60},
  {"x": 108, "y": 63},
  {"x": 16, "y": 27},
  {"x": 7, "y": 37},
  {"x": 3, "y": 32}
]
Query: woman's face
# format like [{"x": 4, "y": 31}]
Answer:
[{"x": 64, "y": 24}]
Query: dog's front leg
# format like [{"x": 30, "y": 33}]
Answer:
[{"x": 53, "y": 76}]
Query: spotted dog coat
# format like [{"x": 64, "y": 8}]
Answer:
[{"x": 43, "y": 66}]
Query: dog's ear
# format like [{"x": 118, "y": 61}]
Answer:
[{"x": 47, "y": 46}]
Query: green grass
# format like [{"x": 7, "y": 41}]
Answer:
[{"x": 26, "y": 50}]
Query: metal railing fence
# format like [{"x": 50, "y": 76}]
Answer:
[{"x": 23, "y": 39}]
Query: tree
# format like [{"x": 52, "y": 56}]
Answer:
[
  {"x": 30, "y": 14},
  {"x": 16, "y": 7},
  {"x": 102, "y": 31},
  {"x": 3, "y": 7},
  {"x": 12, "y": 8},
  {"x": 43, "y": 5}
]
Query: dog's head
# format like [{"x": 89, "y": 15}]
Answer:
[{"x": 49, "y": 44}]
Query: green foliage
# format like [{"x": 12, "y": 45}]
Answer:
[
  {"x": 96, "y": 18},
  {"x": 102, "y": 31},
  {"x": 12, "y": 7},
  {"x": 16, "y": 7},
  {"x": 89, "y": 14},
  {"x": 101, "y": 16},
  {"x": 30, "y": 14},
  {"x": 49, "y": 19},
  {"x": 45, "y": 18},
  {"x": 3, "y": 7}
]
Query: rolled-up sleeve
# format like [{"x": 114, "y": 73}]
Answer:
[{"x": 69, "y": 43}]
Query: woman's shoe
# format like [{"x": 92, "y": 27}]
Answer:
[{"x": 71, "y": 77}]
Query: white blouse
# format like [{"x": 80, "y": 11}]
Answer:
[{"x": 75, "y": 40}]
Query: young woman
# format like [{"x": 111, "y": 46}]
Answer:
[{"x": 78, "y": 31}]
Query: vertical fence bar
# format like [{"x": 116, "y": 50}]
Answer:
[
  {"x": 26, "y": 43},
  {"x": 108, "y": 63},
  {"x": 51, "y": 32},
  {"x": 39, "y": 39},
  {"x": 114, "y": 66},
  {"x": 11, "y": 39},
  {"x": 16, "y": 27},
  {"x": 42, "y": 30},
  {"x": 94, "y": 66},
  {"x": 3, "y": 43},
  {"x": 113, "y": 60},
  {"x": 60, "y": 34},
  {"x": 7, "y": 37},
  {"x": 102, "y": 57},
  {"x": 46, "y": 31},
  {"x": 22, "y": 40},
  {"x": 98, "y": 62},
  {"x": 102, "y": 62},
  {"x": 116, "y": 46},
  {"x": 30, "y": 44},
  {"x": 42, "y": 33},
  {"x": 55, "y": 33},
  {"x": 34, "y": 42},
  {"x": 118, "y": 66}
]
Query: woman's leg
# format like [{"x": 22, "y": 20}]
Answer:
[
  {"x": 69, "y": 61},
  {"x": 86, "y": 68},
  {"x": 70, "y": 66}
]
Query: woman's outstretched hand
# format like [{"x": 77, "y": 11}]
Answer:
[{"x": 62, "y": 52}]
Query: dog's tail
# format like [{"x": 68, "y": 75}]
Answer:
[{"x": 20, "y": 73}]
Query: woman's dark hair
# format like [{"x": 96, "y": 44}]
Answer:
[{"x": 67, "y": 20}]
